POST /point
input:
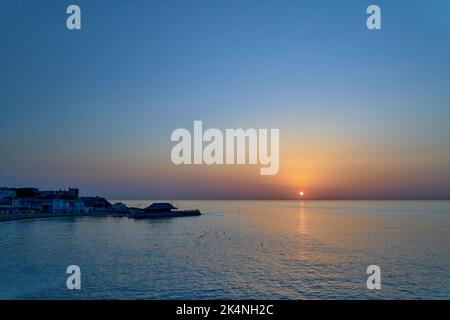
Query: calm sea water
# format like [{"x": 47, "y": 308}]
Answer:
[{"x": 236, "y": 250}]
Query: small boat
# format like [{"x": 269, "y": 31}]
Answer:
[{"x": 163, "y": 210}]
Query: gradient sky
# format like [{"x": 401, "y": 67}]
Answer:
[{"x": 362, "y": 114}]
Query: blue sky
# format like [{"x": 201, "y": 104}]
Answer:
[{"x": 95, "y": 108}]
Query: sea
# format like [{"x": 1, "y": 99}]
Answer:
[{"x": 235, "y": 250}]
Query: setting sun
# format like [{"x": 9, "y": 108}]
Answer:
[{"x": 301, "y": 193}]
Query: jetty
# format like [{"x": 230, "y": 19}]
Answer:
[{"x": 163, "y": 210}]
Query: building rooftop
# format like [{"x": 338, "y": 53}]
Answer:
[{"x": 161, "y": 206}]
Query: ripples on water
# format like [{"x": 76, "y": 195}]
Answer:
[{"x": 236, "y": 250}]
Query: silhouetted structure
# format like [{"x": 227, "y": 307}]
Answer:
[
  {"x": 160, "y": 207},
  {"x": 162, "y": 210}
]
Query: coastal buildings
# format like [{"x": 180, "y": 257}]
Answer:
[
  {"x": 95, "y": 203},
  {"x": 27, "y": 203},
  {"x": 32, "y": 200}
]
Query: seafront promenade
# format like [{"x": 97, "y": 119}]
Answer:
[{"x": 27, "y": 216}]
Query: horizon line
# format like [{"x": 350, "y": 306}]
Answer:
[{"x": 288, "y": 199}]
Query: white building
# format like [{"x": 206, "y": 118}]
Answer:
[
  {"x": 68, "y": 206},
  {"x": 7, "y": 193}
]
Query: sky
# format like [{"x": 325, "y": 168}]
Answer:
[{"x": 362, "y": 114}]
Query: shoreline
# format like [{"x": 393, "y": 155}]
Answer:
[{"x": 4, "y": 217}]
